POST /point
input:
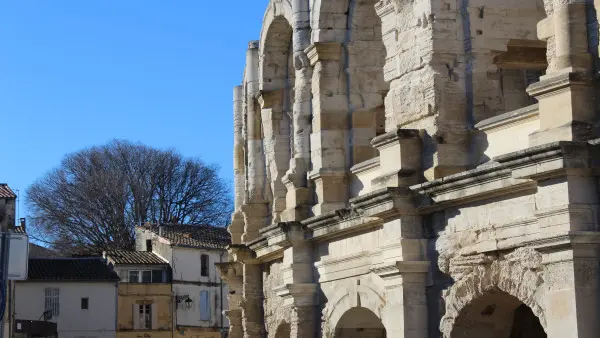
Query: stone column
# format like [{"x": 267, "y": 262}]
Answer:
[
  {"x": 236, "y": 228},
  {"x": 328, "y": 140},
  {"x": 231, "y": 273},
  {"x": 255, "y": 209},
  {"x": 565, "y": 93},
  {"x": 405, "y": 313},
  {"x": 252, "y": 293},
  {"x": 299, "y": 289},
  {"x": 295, "y": 179},
  {"x": 276, "y": 132},
  {"x": 572, "y": 277}
]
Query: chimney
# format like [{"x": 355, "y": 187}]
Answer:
[
  {"x": 22, "y": 223},
  {"x": 160, "y": 229}
]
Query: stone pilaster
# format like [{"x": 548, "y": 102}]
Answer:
[
  {"x": 565, "y": 92},
  {"x": 299, "y": 289},
  {"x": 429, "y": 89},
  {"x": 252, "y": 293},
  {"x": 231, "y": 273},
  {"x": 405, "y": 313},
  {"x": 572, "y": 301},
  {"x": 276, "y": 138},
  {"x": 329, "y": 138},
  {"x": 236, "y": 228},
  {"x": 255, "y": 209},
  {"x": 295, "y": 180}
]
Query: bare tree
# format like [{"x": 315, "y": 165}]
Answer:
[{"x": 94, "y": 199}]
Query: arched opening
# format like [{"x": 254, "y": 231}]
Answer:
[
  {"x": 497, "y": 315},
  {"x": 359, "y": 322},
  {"x": 366, "y": 87},
  {"x": 283, "y": 330},
  {"x": 277, "y": 85}
]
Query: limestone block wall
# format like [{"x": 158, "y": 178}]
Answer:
[{"x": 276, "y": 312}]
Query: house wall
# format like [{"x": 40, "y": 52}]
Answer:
[
  {"x": 187, "y": 280},
  {"x": 99, "y": 321},
  {"x": 158, "y": 294}
]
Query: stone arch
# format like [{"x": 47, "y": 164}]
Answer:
[
  {"x": 518, "y": 274},
  {"x": 359, "y": 322},
  {"x": 275, "y": 45},
  {"x": 364, "y": 295},
  {"x": 276, "y": 82}
]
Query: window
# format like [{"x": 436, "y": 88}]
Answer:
[
  {"x": 149, "y": 245},
  {"x": 204, "y": 306},
  {"x": 146, "y": 276},
  {"x": 145, "y": 316},
  {"x": 134, "y": 276},
  {"x": 204, "y": 265},
  {"x": 51, "y": 301},
  {"x": 85, "y": 303},
  {"x": 157, "y": 276}
]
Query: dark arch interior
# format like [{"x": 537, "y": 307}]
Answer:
[
  {"x": 359, "y": 322},
  {"x": 497, "y": 315},
  {"x": 283, "y": 331}
]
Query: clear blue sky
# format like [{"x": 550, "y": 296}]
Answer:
[{"x": 76, "y": 73}]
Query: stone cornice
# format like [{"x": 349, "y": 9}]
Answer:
[
  {"x": 324, "y": 51},
  {"x": 396, "y": 136},
  {"x": 553, "y": 82},
  {"x": 270, "y": 98}
]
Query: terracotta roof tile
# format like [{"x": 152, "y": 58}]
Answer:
[
  {"x": 6, "y": 192},
  {"x": 134, "y": 257},
  {"x": 199, "y": 236},
  {"x": 70, "y": 269}
]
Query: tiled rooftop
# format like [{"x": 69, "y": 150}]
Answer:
[
  {"x": 134, "y": 257},
  {"x": 200, "y": 236},
  {"x": 70, "y": 269},
  {"x": 6, "y": 191}
]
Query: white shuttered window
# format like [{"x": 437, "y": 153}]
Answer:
[
  {"x": 51, "y": 301},
  {"x": 204, "y": 306}
]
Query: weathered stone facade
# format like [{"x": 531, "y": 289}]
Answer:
[{"x": 422, "y": 168}]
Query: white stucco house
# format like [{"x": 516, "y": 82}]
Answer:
[
  {"x": 78, "y": 294},
  {"x": 199, "y": 294}
]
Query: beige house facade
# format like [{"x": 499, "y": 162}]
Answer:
[{"x": 423, "y": 168}]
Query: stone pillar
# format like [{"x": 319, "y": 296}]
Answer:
[
  {"x": 429, "y": 88},
  {"x": 295, "y": 180},
  {"x": 405, "y": 313},
  {"x": 236, "y": 228},
  {"x": 399, "y": 158},
  {"x": 572, "y": 300},
  {"x": 330, "y": 130},
  {"x": 565, "y": 93},
  {"x": 252, "y": 293},
  {"x": 255, "y": 209},
  {"x": 231, "y": 273},
  {"x": 299, "y": 289},
  {"x": 404, "y": 273},
  {"x": 276, "y": 133}
]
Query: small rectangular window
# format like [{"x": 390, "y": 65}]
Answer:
[
  {"x": 134, "y": 276},
  {"x": 157, "y": 276},
  {"x": 149, "y": 245},
  {"x": 146, "y": 276},
  {"x": 204, "y": 265},
  {"x": 85, "y": 303}
]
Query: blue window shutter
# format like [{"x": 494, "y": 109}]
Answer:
[{"x": 204, "y": 306}]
